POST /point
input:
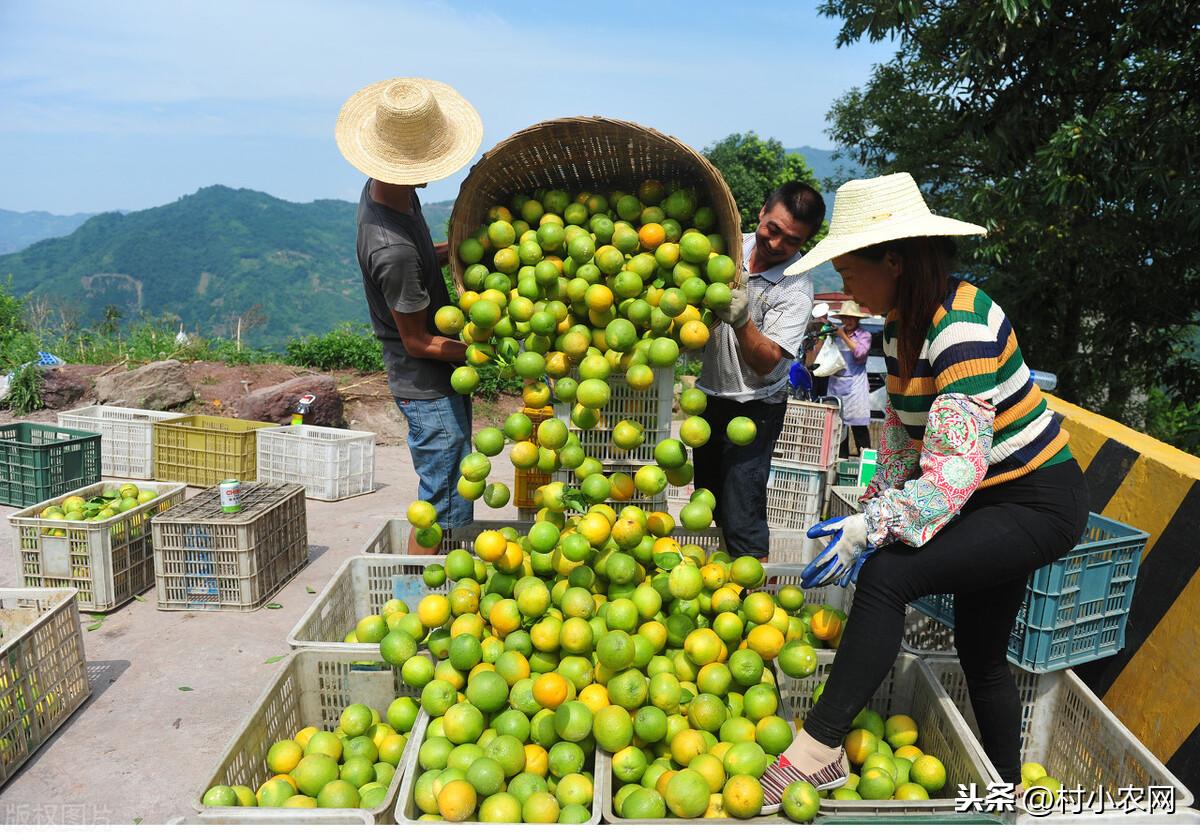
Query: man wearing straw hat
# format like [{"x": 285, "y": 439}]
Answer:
[
  {"x": 746, "y": 363},
  {"x": 402, "y": 133}
]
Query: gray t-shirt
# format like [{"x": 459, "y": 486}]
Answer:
[{"x": 400, "y": 272}]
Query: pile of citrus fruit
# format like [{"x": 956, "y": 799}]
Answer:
[
  {"x": 589, "y": 299},
  {"x": 888, "y": 764},
  {"x": 604, "y": 632},
  {"x": 98, "y": 507},
  {"x": 625, "y": 278},
  {"x": 351, "y": 766}
]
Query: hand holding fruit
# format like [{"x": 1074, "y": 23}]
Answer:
[
  {"x": 737, "y": 312},
  {"x": 847, "y": 550}
]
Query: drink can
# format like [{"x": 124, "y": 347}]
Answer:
[{"x": 230, "y": 491}]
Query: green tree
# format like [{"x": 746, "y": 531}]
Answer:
[
  {"x": 753, "y": 167},
  {"x": 1069, "y": 131}
]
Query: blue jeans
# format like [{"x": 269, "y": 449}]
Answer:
[{"x": 439, "y": 437}]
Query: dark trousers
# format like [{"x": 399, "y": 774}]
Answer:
[
  {"x": 862, "y": 440},
  {"x": 737, "y": 475},
  {"x": 985, "y": 557}
]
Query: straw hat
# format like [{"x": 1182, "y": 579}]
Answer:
[
  {"x": 871, "y": 211},
  {"x": 408, "y": 131},
  {"x": 851, "y": 309}
]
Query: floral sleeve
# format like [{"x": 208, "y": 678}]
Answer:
[
  {"x": 953, "y": 462},
  {"x": 898, "y": 457}
]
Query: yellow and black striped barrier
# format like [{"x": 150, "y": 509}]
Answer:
[{"x": 1152, "y": 684}]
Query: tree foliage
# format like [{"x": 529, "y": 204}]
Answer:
[
  {"x": 1069, "y": 131},
  {"x": 753, "y": 167}
]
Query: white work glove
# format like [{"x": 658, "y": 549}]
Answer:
[
  {"x": 738, "y": 311},
  {"x": 847, "y": 550}
]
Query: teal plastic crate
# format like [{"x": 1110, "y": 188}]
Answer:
[
  {"x": 41, "y": 461},
  {"x": 1076, "y": 608}
]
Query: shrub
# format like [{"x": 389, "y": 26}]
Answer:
[{"x": 349, "y": 346}]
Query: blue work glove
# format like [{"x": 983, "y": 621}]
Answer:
[
  {"x": 847, "y": 550},
  {"x": 799, "y": 377}
]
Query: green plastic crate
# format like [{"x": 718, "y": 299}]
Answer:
[{"x": 41, "y": 461}]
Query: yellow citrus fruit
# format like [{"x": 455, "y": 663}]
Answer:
[
  {"x": 826, "y": 624},
  {"x": 433, "y": 610},
  {"x": 303, "y": 735},
  {"x": 490, "y": 545},
  {"x": 456, "y": 801},
  {"x": 537, "y": 760},
  {"x": 742, "y": 797},
  {"x": 900, "y": 730},
  {"x": 550, "y": 690},
  {"x": 693, "y": 334},
  {"x": 860, "y": 744},
  {"x": 595, "y": 697},
  {"x": 283, "y": 756},
  {"x": 765, "y": 640}
]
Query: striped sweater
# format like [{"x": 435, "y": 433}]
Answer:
[{"x": 971, "y": 349}]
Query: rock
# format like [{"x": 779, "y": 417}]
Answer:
[
  {"x": 64, "y": 387},
  {"x": 157, "y": 386},
  {"x": 276, "y": 403}
]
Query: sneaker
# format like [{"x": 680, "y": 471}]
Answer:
[{"x": 781, "y": 774}]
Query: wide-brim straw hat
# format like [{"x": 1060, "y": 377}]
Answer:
[
  {"x": 851, "y": 309},
  {"x": 871, "y": 211},
  {"x": 408, "y": 131}
]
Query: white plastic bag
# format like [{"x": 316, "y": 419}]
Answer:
[{"x": 829, "y": 359}]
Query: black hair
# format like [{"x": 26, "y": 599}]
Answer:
[
  {"x": 802, "y": 202},
  {"x": 925, "y": 282}
]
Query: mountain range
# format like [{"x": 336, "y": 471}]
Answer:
[{"x": 288, "y": 270}]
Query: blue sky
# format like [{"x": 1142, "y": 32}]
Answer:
[{"x": 130, "y": 104}]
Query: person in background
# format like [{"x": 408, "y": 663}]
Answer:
[
  {"x": 402, "y": 133},
  {"x": 746, "y": 364},
  {"x": 850, "y": 384}
]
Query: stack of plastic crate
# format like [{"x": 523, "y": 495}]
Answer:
[
  {"x": 805, "y": 451},
  {"x": 650, "y": 408}
]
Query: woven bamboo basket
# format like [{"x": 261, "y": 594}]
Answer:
[{"x": 587, "y": 153}]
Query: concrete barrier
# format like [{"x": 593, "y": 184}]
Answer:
[{"x": 1151, "y": 685}]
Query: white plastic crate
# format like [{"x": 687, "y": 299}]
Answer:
[
  {"x": 310, "y": 687},
  {"x": 1066, "y": 728},
  {"x": 359, "y": 588},
  {"x": 908, "y": 688},
  {"x": 43, "y": 670},
  {"x": 127, "y": 447},
  {"x": 795, "y": 496},
  {"x": 408, "y": 813},
  {"x": 652, "y": 408},
  {"x": 811, "y": 434},
  {"x": 330, "y": 463},
  {"x": 391, "y": 537},
  {"x": 107, "y": 561}
]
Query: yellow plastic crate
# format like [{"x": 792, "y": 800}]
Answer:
[
  {"x": 527, "y": 481},
  {"x": 202, "y": 451}
]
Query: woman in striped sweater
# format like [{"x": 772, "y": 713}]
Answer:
[{"x": 976, "y": 486}]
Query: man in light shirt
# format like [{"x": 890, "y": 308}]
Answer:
[{"x": 746, "y": 362}]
